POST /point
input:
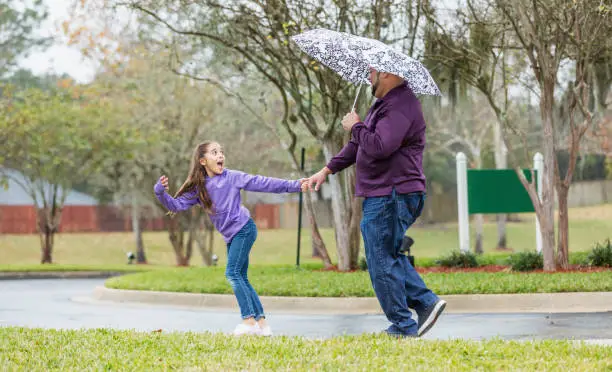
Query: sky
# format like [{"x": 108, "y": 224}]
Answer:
[{"x": 59, "y": 58}]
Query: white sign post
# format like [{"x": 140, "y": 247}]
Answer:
[
  {"x": 462, "y": 200},
  {"x": 538, "y": 165}
]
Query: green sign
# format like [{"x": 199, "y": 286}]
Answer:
[{"x": 497, "y": 191}]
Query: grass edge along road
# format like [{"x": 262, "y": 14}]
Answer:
[
  {"x": 289, "y": 281},
  {"x": 46, "y": 350}
]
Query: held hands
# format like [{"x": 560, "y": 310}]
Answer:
[
  {"x": 317, "y": 179},
  {"x": 303, "y": 184},
  {"x": 350, "y": 120}
]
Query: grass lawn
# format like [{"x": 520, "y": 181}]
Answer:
[
  {"x": 55, "y": 350},
  {"x": 77, "y": 267},
  {"x": 587, "y": 225},
  {"x": 288, "y": 281}
]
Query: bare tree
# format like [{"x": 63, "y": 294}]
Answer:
[
  {"x": 267, "y": 118},
  {"x": 476, "y": 50},
  {"x": 171, "y": 117},
  {"x": 549, "y": 32},
  {"x": 259, "y": 32},
  {"x": 585, "y": 47}
]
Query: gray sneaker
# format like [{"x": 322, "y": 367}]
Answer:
[
  {"x": 393, "y": 331},
  {"x": 428, "y": 318}
]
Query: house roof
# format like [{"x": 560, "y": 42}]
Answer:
[{"x": 16, "y": 195}]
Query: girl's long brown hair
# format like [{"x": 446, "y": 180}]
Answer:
[{"x": 197, "y": 177}]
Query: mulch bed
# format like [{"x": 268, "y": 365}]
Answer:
[
  {"x": 481, "y": 269},
  {"x": 491, "y": 269},
  {"x": 501, "y": 268}
]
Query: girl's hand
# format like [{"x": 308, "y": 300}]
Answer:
[
  {"x": 164, "y": 181},
  {"x": 304, "y": 184}
]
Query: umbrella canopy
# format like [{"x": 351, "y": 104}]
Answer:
[{"x": 352, "y": 56}]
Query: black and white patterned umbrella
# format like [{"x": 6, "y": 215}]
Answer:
[{"x": 352, "y": 56}]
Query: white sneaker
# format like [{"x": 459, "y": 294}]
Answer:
[
  {"x": 243, "y": 329},
  {"x": 266, "y": 331}
]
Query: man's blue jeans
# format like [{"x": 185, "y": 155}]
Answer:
[
  {"x": 396, "y": 283},
  {"x": 236, "y": 272}
]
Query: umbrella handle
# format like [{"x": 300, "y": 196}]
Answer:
[{"x": 356, "y": 97}]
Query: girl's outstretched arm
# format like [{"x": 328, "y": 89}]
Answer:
[
  {"x": 182, "y": 203},
  {"x": 264, "y": 184}
]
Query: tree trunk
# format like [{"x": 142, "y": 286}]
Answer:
[
  {"x": 315, "y": 251},
  {"x": 176, "y": 235},
  {"x": 502, "y": 242},
  {"x": 355, "y": 232},
  {"x": 479, "y": 218},
  {"x": 206, "y": 241},
  {"x": 182, "y": 261},
  {"x": 340, "y": 212},
  {"x": 547, "y": 222},
  {"x": 193, "y": 223},
  {"x": 46, "y": 228},
  {"x": 355, "y": 205},
  {"x": 318, "y": 245},
  {"x": 141, "y": 258},
  {"x": 479, "y": 222},
  {"x": 501, "y": 162},
  {"x": 563, "y": 228},
  {"x": 47, "y": 247},
  {"x": 316, "y": 240}
]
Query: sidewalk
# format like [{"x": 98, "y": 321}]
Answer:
[
  {"x": 577, "y": 302},
  {"x": 12, "y": 275}
]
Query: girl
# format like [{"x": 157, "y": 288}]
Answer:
[{"x": 217, "y": 190}]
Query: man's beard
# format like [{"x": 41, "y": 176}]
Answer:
[{"x": 375, "y": 84}]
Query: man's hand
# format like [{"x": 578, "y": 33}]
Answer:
[
  {"x": 349, "y": 120},
  {"x": 318, "y": 178}
]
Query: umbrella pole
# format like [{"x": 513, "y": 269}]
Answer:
[{"x": 356, "y": 97}]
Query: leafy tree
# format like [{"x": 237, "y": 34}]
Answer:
[{"x": 56, "y": 140}]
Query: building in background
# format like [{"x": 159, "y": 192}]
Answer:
[{"x": 81, "y": 212}]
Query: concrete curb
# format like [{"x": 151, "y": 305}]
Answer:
[
  {"x": 12, "y": 275},
  {"x": 579, "y": 302}
]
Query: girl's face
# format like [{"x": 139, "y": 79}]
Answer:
[{"x": 213, "y": 160}]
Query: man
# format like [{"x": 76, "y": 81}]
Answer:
[{"x": 387, "y": 149}]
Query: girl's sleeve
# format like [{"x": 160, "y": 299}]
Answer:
[
  {"x": 182, "y": 203},
  {"x": 263, "y": 184}
]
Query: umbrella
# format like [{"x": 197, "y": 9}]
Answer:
[{"x": 352, "y": 57}]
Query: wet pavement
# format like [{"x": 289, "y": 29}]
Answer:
[{"x": 67, "y": 304}]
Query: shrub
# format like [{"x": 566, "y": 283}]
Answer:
[
  {"x": 601, "y": 255},
  {"x": 363, "y": 264},
  {"x": 458, "y": 259},
  {"x": 526, "y": 261}
]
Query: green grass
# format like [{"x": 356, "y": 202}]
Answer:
[
  {"x": 55, "y": 350},
  {"x": 76, "y": 267},
  {"x": 587, "y": 226},
  {"x": 288, "y": 281}
]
